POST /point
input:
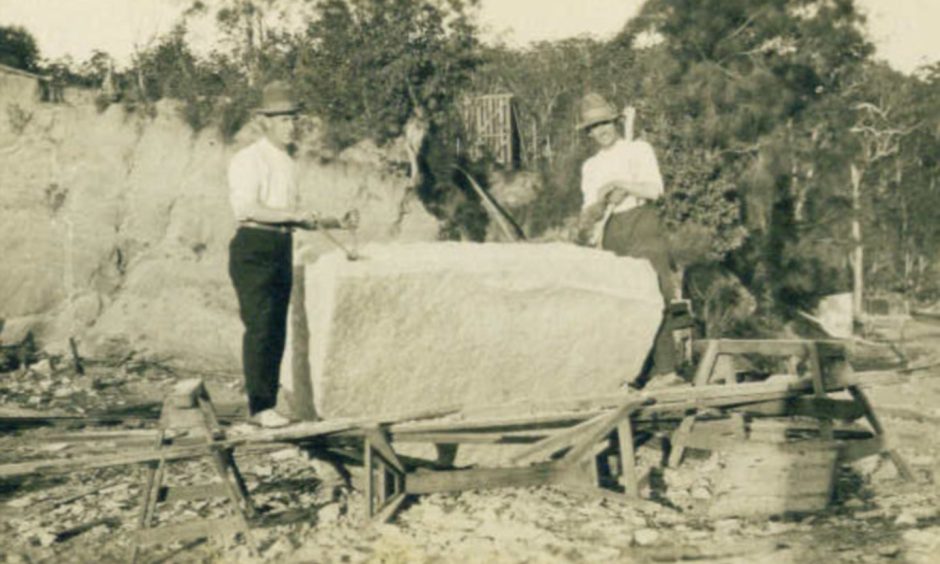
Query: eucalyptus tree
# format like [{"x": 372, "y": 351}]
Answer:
[{"x": 737, "y": 114}]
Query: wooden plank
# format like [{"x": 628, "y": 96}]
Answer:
[
  {"x": 311, "y": 429},
  {"x": 427, "y": 482},
  {"x": 303, "y": 431},
  {"x": 188, "y": 531},
  {"x": 156, "y": 484},
  {"x": 591, "y": 461},
  {"x": 388, "y": 511},
  {"x": 553, "y": 444},
  {"x": 769, "y": 347},
  {"x": 627, "y": 459},
  {"x": 903, "y": 469},
  {"x": 575, "y": 408},
  {"x": 507, "y": 437},
  {"x": 707, "y": 364},
  {"x": 381, "y": 485},
  {"x": 61, "y": 466},
  {"x": 241, "y": 489},
  {"x": 368, "y": 467},
  {"x": 190, "y": 493},
  {"x": 862, "y": 399},
  {"x": 856, "y": 450},
  {"x": 378, "y": 441},
  {"x": 845, "y": 410},
  {"x": 819, "y": 388},
  {"x": 667, "y": 401},
  {"x": 679, "y": 440},
  {"x": 603, "y": 428},
  {"x": 493, "y": 424},
  {"x": 103, "y": 435},
  {"x": 228, "y": 473}
]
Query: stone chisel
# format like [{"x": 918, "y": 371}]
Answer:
[{"x": 350, "y": 221}]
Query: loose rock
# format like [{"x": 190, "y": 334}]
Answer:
[{"x": 645, "y": 537}]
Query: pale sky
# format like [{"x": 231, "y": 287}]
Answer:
[{"x": 904, "y": 31}]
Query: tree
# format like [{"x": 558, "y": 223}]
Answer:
[
  {"x": 878, "y": 135},
  {"x": 894, "y": 158},
  {"x": 368, "y": 64},
  {"x": 18, "y": 48},
  {"x": 728, "y": 145}
]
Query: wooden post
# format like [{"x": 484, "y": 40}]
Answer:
[
  {"x": 627, "y": 458},
  {"x": 707, "y": 364},
  {"x": 679, "y": 439},
  {"x": 367, "y": 466},
  {"x": 819, "y": 388},
  {"x": 903, "y": 469}
]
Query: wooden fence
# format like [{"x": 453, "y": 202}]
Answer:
[{"x": 491, "y": 127}]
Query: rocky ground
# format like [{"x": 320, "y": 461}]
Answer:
[{"x": 310, "y": 515}]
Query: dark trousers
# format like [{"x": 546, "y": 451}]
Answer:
[
  {"x": 639, "y": 233},
  {"x": 260, "y": 268}
]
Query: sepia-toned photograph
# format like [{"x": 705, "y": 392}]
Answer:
[{"x": 469, "y": 281}]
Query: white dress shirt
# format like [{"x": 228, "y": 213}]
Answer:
[
  {"x": 261, "y": 175},
  {"x": 629, "y": 161}
]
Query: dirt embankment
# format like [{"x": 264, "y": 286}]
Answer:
[{"x": 115, "y": 226}]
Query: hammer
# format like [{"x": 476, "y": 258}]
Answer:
[{"x": 350, "y": 221}]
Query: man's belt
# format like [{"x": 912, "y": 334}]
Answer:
[
  {"x": 265, "y": 226},
  {"x": 597, "y": 236}
]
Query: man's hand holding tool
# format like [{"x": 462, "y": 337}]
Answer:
[
  {"x": 313, "y": 221},
  {"x": 349, "y": 221}
]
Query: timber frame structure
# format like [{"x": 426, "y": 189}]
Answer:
[{"x": 585, "y": 445}]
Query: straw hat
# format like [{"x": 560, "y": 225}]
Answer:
[
  {"x": 276, "y": 98},
  {"x": 594, "y": 110}
]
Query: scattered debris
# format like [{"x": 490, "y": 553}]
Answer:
[{"x": 310, "y": 513}]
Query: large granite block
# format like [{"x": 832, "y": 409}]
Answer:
[{"x": 422, "y": 326}]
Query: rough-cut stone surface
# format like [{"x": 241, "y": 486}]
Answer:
[
  {"x": 429, "y": 325},
  {"x": 115, "y": 227}
]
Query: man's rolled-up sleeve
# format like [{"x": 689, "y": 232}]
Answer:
[
  {"x": 589, "y": 186},
  {"x": 243, "y": 187},
  {"x": 645, "y": 167}
]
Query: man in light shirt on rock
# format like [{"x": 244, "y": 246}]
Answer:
[
  {"x": 618, "y": 185},
  {"x": 265, "y": 199}
]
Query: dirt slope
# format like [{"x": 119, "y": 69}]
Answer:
[{"x": 115, "y": 226}]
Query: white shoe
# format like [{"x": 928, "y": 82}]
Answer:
[{"x": 270, "y": 419}]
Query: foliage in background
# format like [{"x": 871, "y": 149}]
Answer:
[
  {"x": 18, "y": 48},
  {"x": 734, "y": 113},
  {"x": 546, "y": 80},
  {"x": 760, "y": 112},
  {"x": 369, "y": 64},
  {"x": 753, "y": 108}
]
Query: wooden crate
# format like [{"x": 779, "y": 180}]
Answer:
[{"x": 769, "y": 478}]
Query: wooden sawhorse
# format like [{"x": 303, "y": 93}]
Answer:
[
  {"x": 388, "y": 482},
  {"x": 188, "y": 417},
  {"x": 826, "y": 363}
]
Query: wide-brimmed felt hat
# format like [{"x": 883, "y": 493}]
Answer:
[
  {"x": 595, "y": 109},
  {"x": 277, "y": 99}
]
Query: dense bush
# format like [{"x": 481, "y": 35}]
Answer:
[
  {"x": 18, "y": 48},
  {"x": 759, "y": 111}
]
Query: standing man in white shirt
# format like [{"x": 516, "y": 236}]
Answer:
[
  {"x": 264, "y": 197},
  {"x": 618, "y": 185}
]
